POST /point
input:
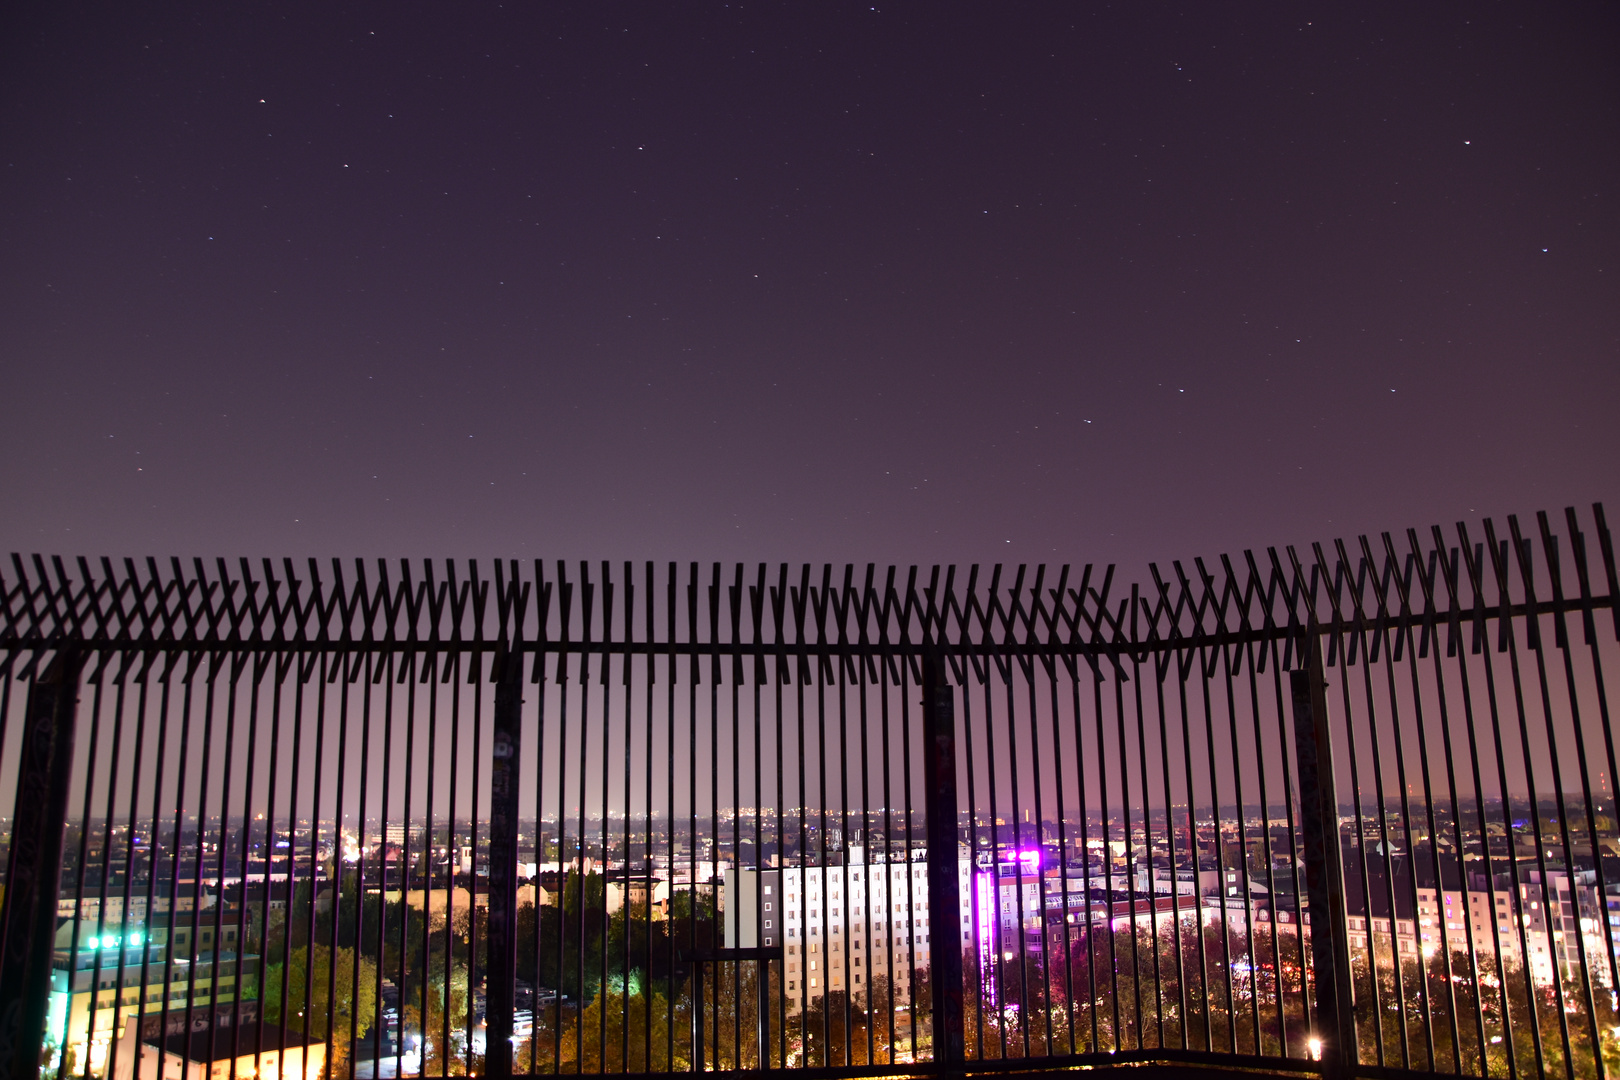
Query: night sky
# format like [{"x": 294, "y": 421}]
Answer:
[{"x": 905, "y": 283}]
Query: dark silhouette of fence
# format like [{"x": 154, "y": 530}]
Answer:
[{"x": 1348, "y": 810}]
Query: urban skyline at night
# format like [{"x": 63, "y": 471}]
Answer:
[{"x": 876, "y": 537}]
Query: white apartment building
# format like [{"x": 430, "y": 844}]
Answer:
[
  {"x": 1451, "y": 915},
  {"x": 839, "y": 926},
  {"x": 1562, "y": 919},
  {"x": 1555, "y": 925},
  {"x": 1405, "y": 930}
]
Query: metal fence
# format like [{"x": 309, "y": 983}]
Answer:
[{"x": 1351, "y": 808}]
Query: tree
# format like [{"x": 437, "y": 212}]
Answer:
[
  {"x": 307, "y": 981},
  {"x": 877, "y": 1000},
  {"x": 631, "y": 1024},
  {"x": 827, "y": 1041},
  {"x": 445, "y": 1003},
  {"x": 588, "y": 892}
]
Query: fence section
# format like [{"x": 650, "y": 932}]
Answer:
[{"x": 387, "y": 820}]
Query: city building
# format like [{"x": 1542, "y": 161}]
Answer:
[
  {"x": 1405, "y": 934},
  {"x": 1564, "y": 917},
  {"x": 1555, "y": 924},
  {"x": 842, "y": 924},
  {"x": 839, "y": 925},
  {"x": 252, "y": 1052},
  {"x": 125, "y": 971}
]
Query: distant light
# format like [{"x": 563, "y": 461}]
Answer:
[{"x": 1316, "y": 1048}]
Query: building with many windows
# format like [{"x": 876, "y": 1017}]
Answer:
[
  {"x": 1550, "y": 925},
  {"x": 841, "y": 925},
  {"x": 117, "y": 973}
]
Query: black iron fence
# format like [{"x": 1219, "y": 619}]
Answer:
[{"x": 1347, "y": 809}]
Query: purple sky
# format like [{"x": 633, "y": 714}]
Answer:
[{"x": 818, "y": 281}]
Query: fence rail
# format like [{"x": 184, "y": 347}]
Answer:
[{"x": 389, "y": 819}]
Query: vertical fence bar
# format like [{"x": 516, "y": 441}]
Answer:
[
  {"x": 1019, "y": 914},
  {"x": 944, "y": 905},
  {"x": 503, "y": 854},
  {"x": 154, "y": 849},
  {"x": 886, "y": 925},
  {"x": 698, "y": 1065},
  {"x": 34, "y": 868},
  {"x": 380, "y": 1026},
  {"x": 1184, "y": 665},
  {"x": 110, "y": 780},
  {"x": 1142, "y": 759},
  {"x": 1324, "y": 874},
  {"x": 1217, "y": 836},
  {"x": 1162, "y": 667},
  {"x": 66, "y": 1066}
]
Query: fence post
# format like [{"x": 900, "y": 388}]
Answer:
[
  {"x": 34, "y": 868},
  {"x": 697, "y": 1017},
  {"x": 764, "y": 1021},
  {"x": 1335, "y": 1023},
  {"x": 503, "y": 853},
  {"x": 944, "y": 901}
]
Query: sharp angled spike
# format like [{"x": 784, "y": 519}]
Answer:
[{"x": 1606, "y": 552}]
